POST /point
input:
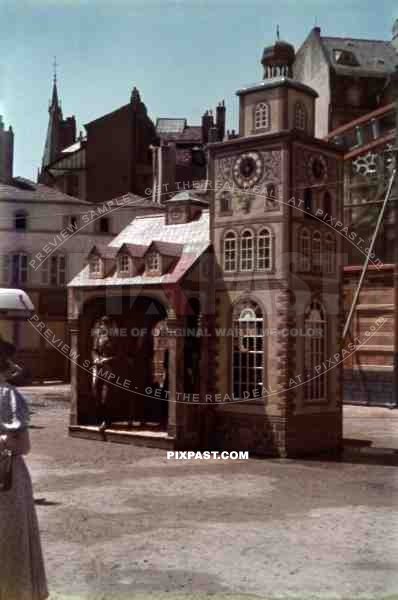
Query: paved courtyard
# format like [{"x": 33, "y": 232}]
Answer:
[{"x": 119, "y": 519}]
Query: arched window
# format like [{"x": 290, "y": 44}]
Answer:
[
  {"x": 264, "y": 250},
  {"x": 262, "y": 116},
  {"x": 316, "y": 252},
  {"x": 20, "y": 220},
  {"x": 246, "y": 251},
  {"x": 248, "y": 351},
  {"x": 330, "y": 253},
  {"x": 315, "y": 353},
  {"x": 230, "y": 252},
  {"x": 300, "y": 116},
  {"x": 304, "y": 248}
]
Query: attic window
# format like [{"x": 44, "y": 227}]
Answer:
[
  {"x": 124, "y": 264},
  {"x": 153, "y": 261},
  {"x": 95, "y": 266},
  {"x": 345, "y": 58}
]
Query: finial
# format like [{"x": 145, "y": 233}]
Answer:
[
  {"x": 277, "y": 33},
  {"x": 55, "y": 69},
  {"x": 135, "y": 96}
]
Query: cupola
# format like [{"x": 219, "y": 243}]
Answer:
[{"x": 278, "y": 59}]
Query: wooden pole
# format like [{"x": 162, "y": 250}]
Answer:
[
  {"x": 366, "y": 263},
  {"x": 395, "y": 200}
]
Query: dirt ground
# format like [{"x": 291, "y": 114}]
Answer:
[{"x": 119, "y": 519}]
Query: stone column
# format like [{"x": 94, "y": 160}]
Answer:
[
  {"x": 176, "y": 376},
  {"x": 74, "y": 331}
]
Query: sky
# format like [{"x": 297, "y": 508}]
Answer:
[{"x": 184, "y": 56}]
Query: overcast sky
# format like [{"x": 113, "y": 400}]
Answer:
[{"x": 183, "y": 55}]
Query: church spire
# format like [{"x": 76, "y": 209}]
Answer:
[
  {"x": 54, "y": 99},
  {"x": 60, "y": 132}
]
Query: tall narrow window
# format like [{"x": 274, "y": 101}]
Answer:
[
  {"x": 308, "y": 200},
  {"x": 19, "y": 269},
  {"x": 300, "y": 116},
  {"x": 270, "y": 197},
  {"x": 327, "y": 203},
  {"x": 104, "y": 225},
  {"x": 315, "y": 353},
  {"x": 225, "y": 202},
  {"x": 57, "y": 268},
  {"x": 230, "y": 252},
  {"x": 316, "y": 252},
  {"x": 20, "y": 220},
  {"x": 248, "y": 351},
  {"x": 261, "y": 116},
  {"x": 5, "y": 268},
  {"x": 304, "y": 248},
  {"x": 246, "y": 251},
  {"x": 330, "y": 253},
  {"x": 264, "y": 250}
]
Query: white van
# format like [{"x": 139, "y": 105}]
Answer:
[{"x": 16, "y": 305}]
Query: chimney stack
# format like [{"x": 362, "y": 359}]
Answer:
[
  {"x": 220, "y": 120},
  {"x": 6, "y": 153},
  {"x": 207, "y": 123}
]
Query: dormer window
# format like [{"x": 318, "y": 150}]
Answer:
[
  {"x": 152, "y": 261},
  {"x": 124, "y": 264},
  {"x": 345, "y": 58},
  {"x": 95, "y": 266},
  {"x": 261, "y": 116}
]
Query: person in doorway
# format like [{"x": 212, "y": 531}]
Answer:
[{"x": 22, "y": 573}]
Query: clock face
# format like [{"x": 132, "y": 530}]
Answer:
[
  {"x": 248, "y": 169},
  {"x": 317, "y": 169}
]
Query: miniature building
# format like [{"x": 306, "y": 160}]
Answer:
[{"x": 260, "y": 275}]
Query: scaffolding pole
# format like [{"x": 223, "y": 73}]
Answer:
[{"x": 366, "y": 263}]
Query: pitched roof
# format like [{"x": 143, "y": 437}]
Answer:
[
  {"x": 192, "y": 239},
  {"x": 25, "y": 190},
  {"x": 167, "y": 248},
  {"x": 280, "y": 81},
  {"x": 135, "y": 250},
  {"x": 177, "y": 130},
  {"x": 103, "y": 250},
  {"x": 376, "y": 58}
]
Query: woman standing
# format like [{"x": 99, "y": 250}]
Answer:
[{"x": 22, "y": 575}]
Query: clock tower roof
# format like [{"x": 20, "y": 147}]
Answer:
[{"x": 275, "y": 82}]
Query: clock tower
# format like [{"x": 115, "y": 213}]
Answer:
[{"x": 276, "y": 197}]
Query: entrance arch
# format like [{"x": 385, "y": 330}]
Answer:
[{"x": 133, "y": 320}]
